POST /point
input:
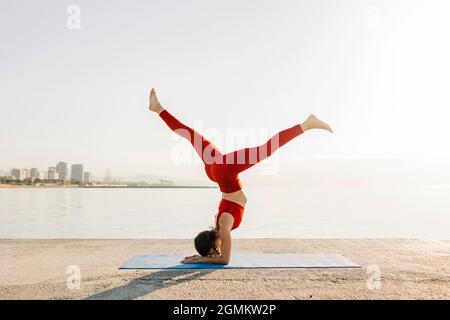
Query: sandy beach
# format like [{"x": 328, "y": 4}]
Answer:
[{"x": 37, "y": 269}]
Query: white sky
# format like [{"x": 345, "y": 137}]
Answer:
[{"x": 377, "y": 71}]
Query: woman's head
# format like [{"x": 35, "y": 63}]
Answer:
[{"x": 207, "y": 242}]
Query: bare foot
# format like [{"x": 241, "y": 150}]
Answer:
[
  {"x": 155, "y": 106},
  {"x": 315, "y": 123}
]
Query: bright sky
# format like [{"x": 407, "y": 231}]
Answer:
[{"x": 377, "y": 71}]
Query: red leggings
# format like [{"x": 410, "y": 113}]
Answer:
[{"x": 224, "y": 168}]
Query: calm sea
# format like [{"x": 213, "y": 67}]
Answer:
[{"x": 420, "y": 212}]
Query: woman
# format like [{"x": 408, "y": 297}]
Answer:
[{"x": 214, "y": 246}]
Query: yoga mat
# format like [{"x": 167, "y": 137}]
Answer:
[{"x": 247, "y": 261}]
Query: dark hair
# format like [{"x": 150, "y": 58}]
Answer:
[{"x": 206, "y": 240}]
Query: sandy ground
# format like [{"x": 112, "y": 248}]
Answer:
[{"x": 410, "y": 269}]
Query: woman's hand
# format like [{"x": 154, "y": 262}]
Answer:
[{"x": 192, "y": 259}]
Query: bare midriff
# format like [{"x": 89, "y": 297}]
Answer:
[{"x": 237, "y": 196}]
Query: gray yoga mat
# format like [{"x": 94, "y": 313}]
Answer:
[{"x": 247, "y": 261}]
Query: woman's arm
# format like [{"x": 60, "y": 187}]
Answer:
[
  {"x": 224, "y": 258},
  {"x": 225, "y": 223}
]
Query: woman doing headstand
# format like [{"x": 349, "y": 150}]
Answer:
[{"x": 214, "y": 246}]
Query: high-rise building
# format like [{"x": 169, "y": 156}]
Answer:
[
  {"x": 53, "y": 174},
  {"x": 34, "y": 173},
  {"x": 19, "y": 174},
  {"x": 61, "y": 168},
  {"x": 43, "y": 175},
  {"x": 15, "y": 173},
  {"x": 87, "y": 177},
  {"x": 2, "y": 173},
  {"x": 24, "y": 174},
  {"x": 108, "y": 176},
  {"x": 77, "y": 173}
]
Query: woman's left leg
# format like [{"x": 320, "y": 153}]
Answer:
[{"x": 202, "y": 146}]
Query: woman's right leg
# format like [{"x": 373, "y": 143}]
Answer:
[{"x": 244, "y": 159}]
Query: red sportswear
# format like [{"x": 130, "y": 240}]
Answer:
[{"x": 225, "y": 168}]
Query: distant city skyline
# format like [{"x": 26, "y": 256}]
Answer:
[{"x": 58, "y": 172}]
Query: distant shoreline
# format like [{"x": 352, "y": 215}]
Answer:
[
  {"x": 8, "y": 186},
  {"x": 154, "y": 187}
]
